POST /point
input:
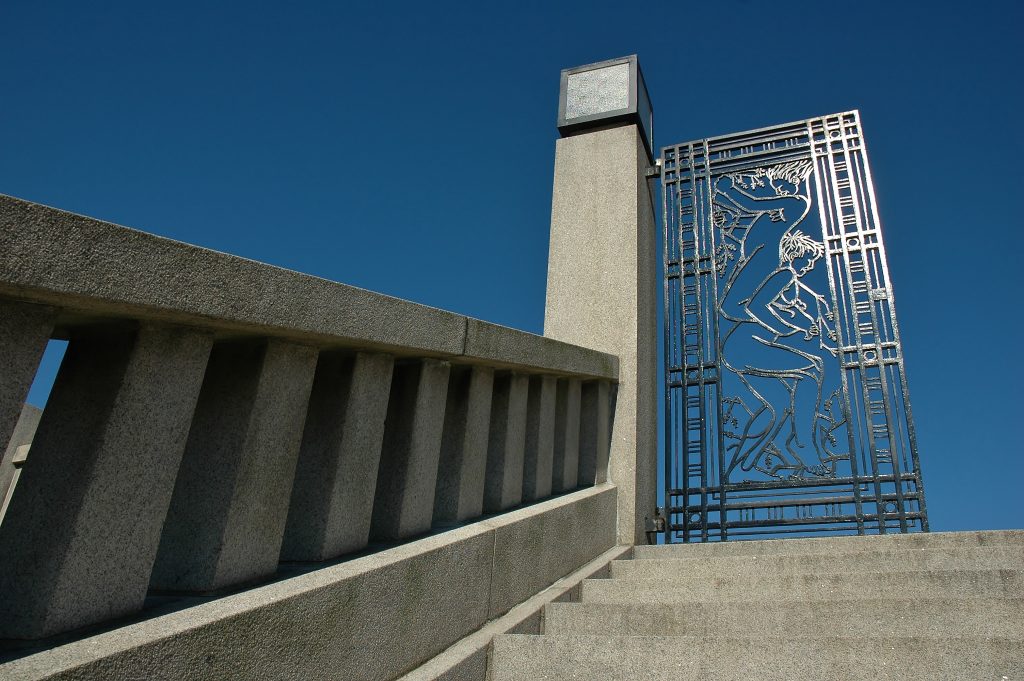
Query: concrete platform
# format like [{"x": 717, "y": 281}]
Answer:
[
  {"x": 518, "y": 657},
  {"x": 817, "y": 618},
  {"x": 843, "y": 585},
  {"x": 835, "y": 545},
  {"x": 911, "y": 559},
  {"x": 938, "y": 606}
]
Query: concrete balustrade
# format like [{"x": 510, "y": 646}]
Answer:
[{"x": 214, "y": 416}]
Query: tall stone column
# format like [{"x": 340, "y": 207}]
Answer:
[{"x": 602, "y": 273}]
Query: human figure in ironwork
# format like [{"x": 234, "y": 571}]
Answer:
[{"x": 776, "y": 319}]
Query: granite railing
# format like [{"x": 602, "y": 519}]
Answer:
[{"x": 213, "y": 417}]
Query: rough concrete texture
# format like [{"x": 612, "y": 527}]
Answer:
[
  {"x": 856, "y": 618},
  {"x": 911, "y": 559},
  {"x": 602, "y": 215},
  {"x": 537, "y": 545},
  {"x": 844, "y": 585},
  {"x": 540, "y": 438},
  {"x": 566, "y": 456},
  {"x": 467, "y": 659},
  {"x": 760, "y": 656},
  {"x": 21, "y": 437},
  {"x": 821, "y": 618},
  {"x": 54, "y": 257},
  {"x": 595, "y": 435},
  {"x": 505, "y": 347},
  {"x": 336, "y": 474},
  {"x": 227, "y": 516},
  {"x": 82, "y": 530},
  {"x": 835, "y": 545},
  {"x": 503, "y": 484},
  {"x": 24, "y": 332},
  {"x": 407, "y": 478},
  {"x": 459, "y": 494},
  {"x": 343, "y": 620}
]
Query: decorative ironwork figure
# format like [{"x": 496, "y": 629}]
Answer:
[{"x": 786, "y": 403}]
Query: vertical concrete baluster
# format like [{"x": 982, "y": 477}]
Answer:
[
  {"x": 460, "y": 477},
  {"x": 503, "y": 487},
  {"x": 227, "y": 517},
  {"x": 595, "y": 432},
  {"x": 24, "y": 332},
  {"x": 565, "y": 468},
  {"x": 407, "y": 478},
  {"x": 82, "y": 529},
  {"x": 336, "y": 476},
  {"x": 540, "y": 438}
]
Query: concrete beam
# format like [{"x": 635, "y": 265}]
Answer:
[
  {"x": 507, "y": 443},
  {"x": 595, "y": 431},
  {"x": 24, "y": 332},
  {"x": 540, "y": 438},
  {"x": 566, "y": 459},
  {"x": 137, "y": 275},
  {"x": 460, "y": 476},
  {"x": 227, "y": 517},
  {"x": 407, "y": 479},
  {"x": 82, "y": 530},
  {"x": 336, "y": 476},
  {"x": 17, "y": 452}
]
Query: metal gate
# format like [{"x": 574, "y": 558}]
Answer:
[{"x": 786, "y": 404}]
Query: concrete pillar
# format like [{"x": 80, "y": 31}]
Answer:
[
  {"x": 407, "y": 479},
  {"x": 566, "y": 459},
  {"x": 459, "y": 494},
  {"x": 82, "y": 530},
  {"x": 24, "y": 332},
  {"x": 601, "y": 293},
  {"x": 503, "y": 487},
  {"x": 336, "y": 476},
  {"x": 595, "y": 432},
  {"x": 540, "y": 438},
  {"x": 227, "y": 517}
]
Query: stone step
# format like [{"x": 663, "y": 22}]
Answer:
[
  {"x": 912, "y": 617},
  {"x": 834, "y": 545},
  {"x": 989, "y": 558},
  {"x": 522, "y": 657},
  {"x": 837, "y": 584}
]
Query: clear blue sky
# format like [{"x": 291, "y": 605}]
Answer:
[{"x": 407, "y": 148}]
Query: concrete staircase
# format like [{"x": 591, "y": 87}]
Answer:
[{"x": 924, "y": 606}]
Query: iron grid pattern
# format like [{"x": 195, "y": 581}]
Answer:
[{"x": 787, "y": 409}]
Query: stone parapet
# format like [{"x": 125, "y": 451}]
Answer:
[{"x": 215, "y": 416}]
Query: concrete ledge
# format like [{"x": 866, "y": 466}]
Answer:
[
  {"x": 502, "y": 346},
  {"x": 536, "y": 546},
  {"x": 93, "y": 269},
  {"x": 467, "y": 659},
  {"x": 374, "y": 618}
]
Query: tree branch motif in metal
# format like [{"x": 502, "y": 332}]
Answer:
[{"x": 786, "y": 404}]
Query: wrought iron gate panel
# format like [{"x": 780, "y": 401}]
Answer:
[{"x": 786, "y": 405}]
